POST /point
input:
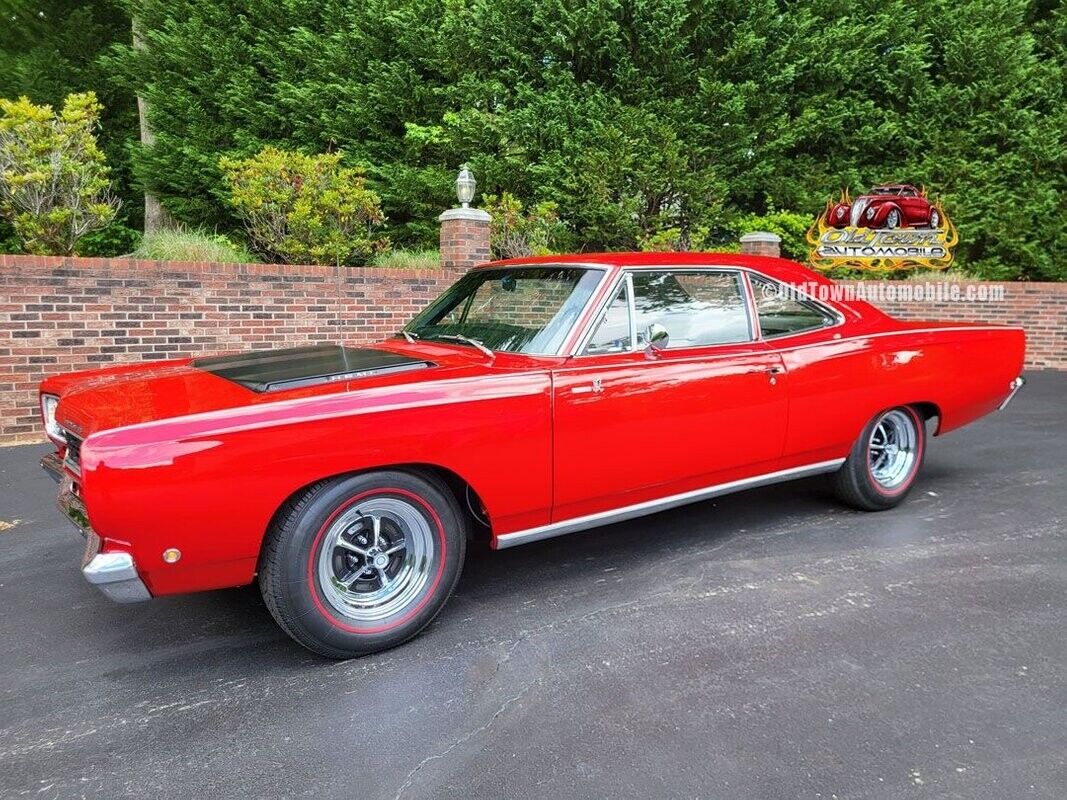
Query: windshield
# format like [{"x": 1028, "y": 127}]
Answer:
[{"x": 515, "y": 309}]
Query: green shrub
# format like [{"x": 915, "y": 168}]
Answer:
[
  {"x": 515, "y": 232},
  {"x": 55, "y": 186},
  {"x": 114, "y": 240},
  {"x": 191, "y": 245},
  {"x": 304, "y": 209},
  {"x": 407, "y": 259}
]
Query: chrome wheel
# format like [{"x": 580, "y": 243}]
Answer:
[
  {"x": 376, "y": 558},
  {"x": 892, "y": 449},
  {"x": 892, "y": 219}
]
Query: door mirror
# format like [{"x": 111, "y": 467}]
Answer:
[{"x": 658, "y": 338}]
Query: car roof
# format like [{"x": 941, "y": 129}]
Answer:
[{"x": 778, "y": 268}]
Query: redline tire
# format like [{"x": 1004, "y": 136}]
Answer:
[
  {"x": 360, "y": 564},
  {"x": 882, "y": 466}
]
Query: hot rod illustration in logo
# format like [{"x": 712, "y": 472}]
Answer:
[
  {"x": 898, "y": 205},
  {"x": 893, "y": 227}
]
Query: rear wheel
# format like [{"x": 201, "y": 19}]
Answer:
[
  {"x": 884, "y": 461},
  {"x": 360, "y": 564}
]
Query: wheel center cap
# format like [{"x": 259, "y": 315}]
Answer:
[
  {"x": 891, "y": 449},
  {"x": 380, "y": 560}
]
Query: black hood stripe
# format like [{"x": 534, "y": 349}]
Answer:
[{"x": 291, "y": 368}]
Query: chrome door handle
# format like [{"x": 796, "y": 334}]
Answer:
[{"x": 596, "y": 387}]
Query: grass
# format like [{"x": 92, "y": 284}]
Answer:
[
  {"x": 407, "y": 259},
  {"x": 191, "y": 245}
]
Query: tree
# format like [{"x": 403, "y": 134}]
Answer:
[
  {"x": 55, "y": 186},
  {"x": 634, "y": 118}
]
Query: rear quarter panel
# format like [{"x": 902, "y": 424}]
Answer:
[
  {"x": 210, "y": 484},
  {"x": 837, "y": 386}
]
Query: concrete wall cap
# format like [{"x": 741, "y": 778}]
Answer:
[
  {"x": 762, "y": 236},
  {"x": 473, "y": 214}
]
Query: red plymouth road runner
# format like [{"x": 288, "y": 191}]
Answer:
[{"x": 536, "y": 397}]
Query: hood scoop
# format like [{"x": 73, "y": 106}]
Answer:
[{"x": 292, "y": 368}]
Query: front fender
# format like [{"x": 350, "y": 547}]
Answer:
[{"x": 210, "y": 487}]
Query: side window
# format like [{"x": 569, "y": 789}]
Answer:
[
  {"x": 781, "y": 312},
  {"x": 612, "y": 333},
  {"x": 697, "y": 308}
]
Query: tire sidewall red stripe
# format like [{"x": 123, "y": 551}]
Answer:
[
  {"x": 920, "y": 433},
  {"x": 312, "y": 583}
]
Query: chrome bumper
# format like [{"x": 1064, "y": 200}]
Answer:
[
  {"x": 114, "y": 574},
  {"x": 1014, "y": 387}
]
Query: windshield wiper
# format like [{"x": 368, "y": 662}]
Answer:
[
  {"x": 459, "y": 337},
  {"x": 411, "y": 337}
]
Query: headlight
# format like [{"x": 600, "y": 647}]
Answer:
[
  {"x": 870, "y": 213},
  {"x": 840, "y": 213},
  {"x": 49, "y": 403}
]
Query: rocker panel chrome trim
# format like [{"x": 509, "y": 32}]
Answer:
[{"x": 662, "y": 504}]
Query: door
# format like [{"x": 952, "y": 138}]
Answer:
[{"x": 633, "y": 423}]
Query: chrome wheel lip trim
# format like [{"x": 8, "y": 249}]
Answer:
[
  {"x": 400, "y": 590},
  {"x": 892, "y": 449}
]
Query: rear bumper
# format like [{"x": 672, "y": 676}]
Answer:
[
  {"x": 1014, "y": 387},
  {"x": 114, "y": 574}
]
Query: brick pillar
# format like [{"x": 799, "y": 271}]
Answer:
[
  {"x": 464, "y": 237},
  {"x": 761, "y": 243}
]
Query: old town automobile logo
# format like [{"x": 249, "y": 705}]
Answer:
[{"x": 892, "y": 227}]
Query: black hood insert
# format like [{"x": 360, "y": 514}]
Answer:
[{"x": 292, "y": 368}]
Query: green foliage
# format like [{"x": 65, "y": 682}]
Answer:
[
  {"x": 51, "y": 49},
  {"x": 55, "y": 186},
  {"x": 113, "y": 240},
  {"x": 304, "y": 209},
  {"x": 637, "y": 119},
  {"x": 407, "y": 259},
  {"x": 515, "y": 232},
  {"x": 191, "y": 245}
]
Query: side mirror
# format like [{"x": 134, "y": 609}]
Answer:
[{"x": 658, "y": 338}]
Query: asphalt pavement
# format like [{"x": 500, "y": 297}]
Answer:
[{"x": 769, "y": 644}]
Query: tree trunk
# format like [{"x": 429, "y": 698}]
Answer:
[{"x": 156, "y": 218}]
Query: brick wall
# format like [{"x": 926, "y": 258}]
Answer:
[{"x": 61, "y": 314}]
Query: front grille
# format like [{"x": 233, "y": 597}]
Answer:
[{"x": 74, "y": 452}]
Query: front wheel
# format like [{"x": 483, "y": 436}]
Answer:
[
  {"x": 360, "y": 564},
  {"x": 884, "y": 461}
]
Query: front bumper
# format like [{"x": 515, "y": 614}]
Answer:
[{"x": 114, "y": 574}]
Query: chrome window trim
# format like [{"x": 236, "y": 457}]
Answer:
[
  {"x": 627, "y": 273},
  {"x": 597, "y": 317},
  {"x": 624, "y": 513},
  {"x": 837, "y": 316},
  {"x": 631, "y": 307}
]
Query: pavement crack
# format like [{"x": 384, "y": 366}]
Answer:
[{"x": 409, "y": 779}]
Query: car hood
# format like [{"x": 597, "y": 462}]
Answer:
[{"x": 132, "y": 394}]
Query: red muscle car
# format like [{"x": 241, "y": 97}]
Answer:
[
  {"x": 534, "y": 398},
  {"x": 898, "y": 205}
]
